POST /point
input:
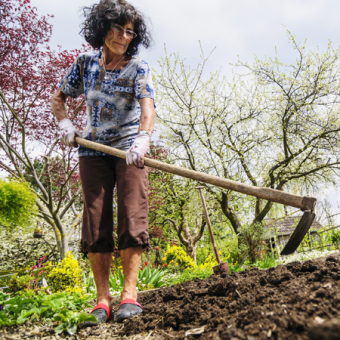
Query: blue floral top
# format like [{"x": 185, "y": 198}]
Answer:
[{"x": 112, "y": 106}]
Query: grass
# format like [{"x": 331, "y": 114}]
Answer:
[{"x": 186, "y": 275}]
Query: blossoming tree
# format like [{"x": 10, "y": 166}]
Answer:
[
  {"x": 278, "y": 128},
  {"x": 29, "y": 144}
]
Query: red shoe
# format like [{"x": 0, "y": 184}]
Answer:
[{"x": 127, "y": 309}]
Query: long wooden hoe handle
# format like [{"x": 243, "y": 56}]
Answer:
[{"x": 302, "y": 202}]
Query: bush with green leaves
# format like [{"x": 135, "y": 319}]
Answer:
[
  {"x": 251, "y": 239},
  {"x": 17, "y": 204},
  {"x": 30, "y": 277},
  {"x": 66, "y": 276},
  {"x": 18, "y": 248},
  {"x": 18, "y": 283},
  {"x": 335, "y": 236},
  {"x": 177, "y": 256},
  {"x": 226, "y": 242}
]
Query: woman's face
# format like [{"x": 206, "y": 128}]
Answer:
[{"x": 118, "y": 42}]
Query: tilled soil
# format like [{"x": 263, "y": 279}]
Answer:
[{"x": 294, "y": 301}]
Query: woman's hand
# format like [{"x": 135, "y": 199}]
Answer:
[
  {"x": 140, "y": 146},
  {"x": 68, "y": 132},
  {"x": 138, "y": 150}
]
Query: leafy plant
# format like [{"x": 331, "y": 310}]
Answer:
[
  {"x": 63, "y": 308},
  {"x": 116, "y": 280},
  {"x": 150, "y": 277},
  {"x": 268, "y": 262},
  {"x": 178, "y": 255},
  {"x": 88, "y": 283},
  {"x": 69, "y": 321},
  {"x": 66, "y": 276},
  {"x": 30, "y": 278},
  {"x": 18, "y": 283},
  {"x": 3, "y": 298}
]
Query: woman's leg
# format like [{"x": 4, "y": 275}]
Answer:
[
  {"x": 133, "y": 236},
  {"x": 97, "y": 177},
  {"x": 131, "y": 258},
  {"x": 100, "y": 265}
]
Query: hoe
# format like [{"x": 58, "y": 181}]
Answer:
[{"x": 305, "y": 203}]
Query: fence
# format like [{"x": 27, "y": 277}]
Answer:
[{"x": 319, "y": 247}]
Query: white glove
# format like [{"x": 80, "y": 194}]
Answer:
[
  {"x": 138, "y": 150},
  {"x": 68, "y": 132}
]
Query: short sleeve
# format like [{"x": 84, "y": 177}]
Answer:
[
  {"x": 72, "y": 84},
  {"x": 143, "y": 83}
]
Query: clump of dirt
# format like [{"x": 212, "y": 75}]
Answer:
[{"x": 293, "y": 301}]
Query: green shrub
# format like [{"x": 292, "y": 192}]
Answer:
[
  {"x": 66, "y": 276},
  {"x": 17, "y": 203},
  {"x": 335, "y": 236},
  {"x": 250, "y": 241},
  {"x": 18, "y": 283},
  {"x": 177, "y": 255},
  {"x": 30, "y": 277}
]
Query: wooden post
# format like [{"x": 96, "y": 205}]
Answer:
[{"x": 212, "y": 238}]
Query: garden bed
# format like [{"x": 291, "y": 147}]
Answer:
[{"x": 293, "y": 301}]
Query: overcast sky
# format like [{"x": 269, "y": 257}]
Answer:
[
  {"x": 237, "y": 28},
  {"x": 243, "y": 28}
]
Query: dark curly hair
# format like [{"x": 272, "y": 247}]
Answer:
[{"x": 100, "y": 17}]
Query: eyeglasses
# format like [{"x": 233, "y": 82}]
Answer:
[{"x": 120, "y": 30}]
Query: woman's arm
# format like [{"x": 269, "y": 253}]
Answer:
[
  {"x": 147, "y": 117},
  {"x": 58, "y": 101},
  {"x": 67, "y": 130}
]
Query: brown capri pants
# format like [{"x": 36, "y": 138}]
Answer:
[{"x": 98, "y": 175}]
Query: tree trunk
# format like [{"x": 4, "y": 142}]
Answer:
[
  {"x": 191, "y": 250},
  {"x": 230, "y": 213}
]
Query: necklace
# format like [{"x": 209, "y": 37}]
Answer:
[{"x": 106, "y": 77}]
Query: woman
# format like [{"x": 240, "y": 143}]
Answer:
[{"x": 120, "y": 113}]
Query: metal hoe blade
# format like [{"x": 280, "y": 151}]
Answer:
[{"x": 299, "y": 233}]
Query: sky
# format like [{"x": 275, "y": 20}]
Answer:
[{"x": 238, "y": 30}]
